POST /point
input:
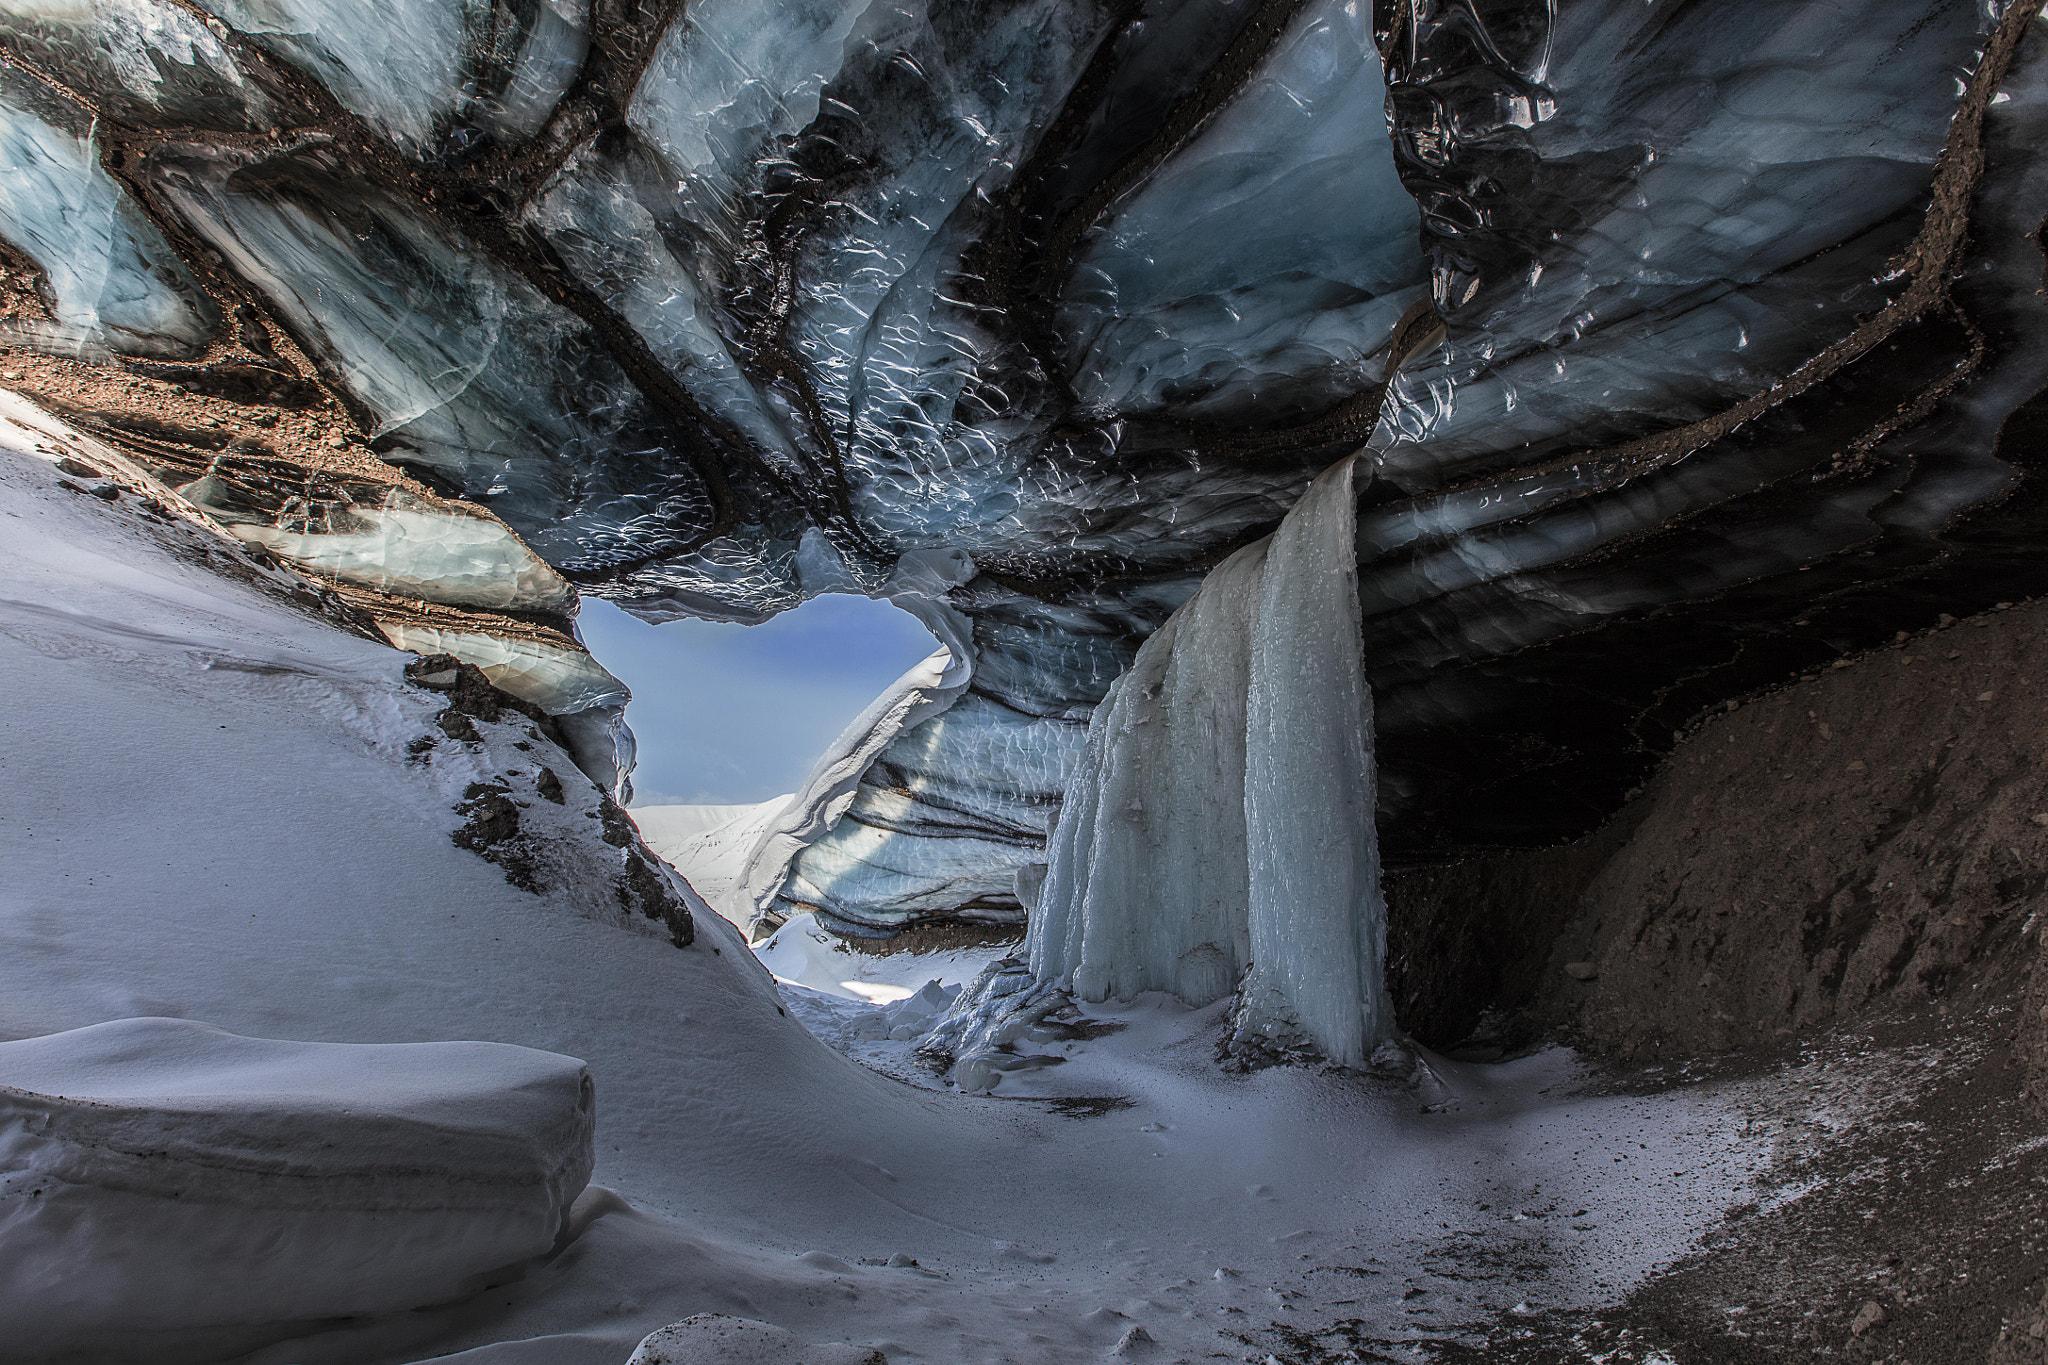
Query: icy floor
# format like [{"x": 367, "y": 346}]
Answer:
[{"x": 206, "y": 812}]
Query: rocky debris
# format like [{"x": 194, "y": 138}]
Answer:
[
  {"x": 1869, "y": 1317},
  {"x": 2024, "y": 1340},
  {"x": 646, "y": 890},
  {"x": 470, "y": 694},
  {"x": 1863, "y": 835},
  {"x": 498, "y": 809},
  {"x": 1135, "y": 1342},
  {"x": 715, "y": 1339},
  {"x": 490, "y": 830}
]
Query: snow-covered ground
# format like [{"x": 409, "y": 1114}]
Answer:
[
  {"x": 207, "y": 811},
  {"x": 711, "y": 844}
]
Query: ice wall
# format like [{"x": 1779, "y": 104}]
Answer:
[{"x": 1218, "y": 832}]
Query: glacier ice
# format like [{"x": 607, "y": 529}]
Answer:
[
  {"x": 150, "y": 62},
  {"x": 169, "y": 1187},
  {"x": 1218, "y": 833},
  {"x": 403, "y": 546},
  {"x": 1195, "y": 297},
  {"x": 428, "y": 73},
  {"x": 719, "y": 314},
  {"x": 115, "y": 282}
]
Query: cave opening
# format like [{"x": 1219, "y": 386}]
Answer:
[{"x": 351, "y": 348}]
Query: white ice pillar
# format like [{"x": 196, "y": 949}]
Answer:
[{"x": 1222, "y": 815}]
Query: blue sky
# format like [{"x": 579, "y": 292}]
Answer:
[{"x": 728, "y": 714}]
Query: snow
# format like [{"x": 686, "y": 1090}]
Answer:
[
  {"x": 712, "y": 846},
  {"x": 715, "y": 1339},
  {"x": 207, "y": 812},
  {"x": 163, "y": 1176}
]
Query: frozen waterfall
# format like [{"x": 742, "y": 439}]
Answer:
[{"x": 1221, "y": 818}]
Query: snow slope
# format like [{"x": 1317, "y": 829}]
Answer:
[
  {"x": 207, "y": 812},
  {"x": 711, "y": 845}
]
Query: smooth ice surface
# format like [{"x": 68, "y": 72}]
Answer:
[
  {"x": 116, "y": 284},
  {"x": 1221, "y": 818},
  {"x": 173, "y": 1189}
]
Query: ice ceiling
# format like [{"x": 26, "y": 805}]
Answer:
[{"x": 1029, "y": 313}]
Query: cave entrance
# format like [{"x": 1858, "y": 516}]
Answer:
[{"x": 731, "y": 715}]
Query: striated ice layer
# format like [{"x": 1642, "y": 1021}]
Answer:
[
  {"x": 429, "y": 74},
  {"x": 407, "y": 548},
  {"x": 1694, "y": 211},
  {"x": 941, "y": 100},
  {"x": 939, "y": 825},
  {"x": 596, "y": 215},
  {"x": 474, "y": 377},
  {"x": 151, "y": 62},
  {"x": 939, "y": 821},
  {"x": 172, "y": 1191},
  {"x": 1219, "y": 831},
  {"x": 1199, "y": 298},
  {"x": 115, "y": 282}
]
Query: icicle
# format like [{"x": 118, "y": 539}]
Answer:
[{"x": 1222, "y": 817}]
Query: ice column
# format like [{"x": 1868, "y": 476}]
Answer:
[{"x": 1222, "y": 815}]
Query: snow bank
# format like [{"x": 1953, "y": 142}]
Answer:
[{"x": 169, "y": 1183}]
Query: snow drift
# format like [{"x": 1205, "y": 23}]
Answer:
[{"x": 172, "y": 1190}]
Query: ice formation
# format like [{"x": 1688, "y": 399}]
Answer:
[
  {"x": 115, "y": 284},
  {"x": 1219, "y": 830},
  {"x": 716, "y": 315},
  {"x": 400, "y": 545},
  {"x": 174, "y": 1190}
]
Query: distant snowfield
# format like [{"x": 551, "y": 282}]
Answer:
[{"x": 206, "y": 812}]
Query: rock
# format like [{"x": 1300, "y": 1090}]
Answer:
[
  {"x": 1868, "y": 1318},
  {"x": 1581, "y": 971},
  {"x": 715, "y": 1339}
]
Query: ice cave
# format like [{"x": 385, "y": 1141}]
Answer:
[{"x": 1316, "y": 682}]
